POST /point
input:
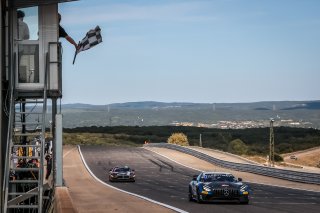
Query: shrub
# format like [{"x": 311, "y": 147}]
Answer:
[
  {"x": 278, "y": 158},
  {"x": 238, "y": 147},
  {"x": 179, "y": 139}
]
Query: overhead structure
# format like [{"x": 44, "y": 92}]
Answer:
[
  {"x": 30, "y": 73},
  {"x": 32, "y": 3}
]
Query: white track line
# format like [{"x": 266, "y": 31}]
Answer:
[
  {"x": 139, "y": 196},
  {"x": 266, "y": 184}
]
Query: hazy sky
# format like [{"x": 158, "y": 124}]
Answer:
[{"x": 207, "y": 51}]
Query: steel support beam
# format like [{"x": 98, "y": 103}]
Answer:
[{"x": 3, "y": 138}]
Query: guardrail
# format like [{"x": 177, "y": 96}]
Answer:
[
  {"x": 303, "y": 177},
  {"x": 227, "y": 153}
]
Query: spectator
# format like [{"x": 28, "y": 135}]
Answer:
[
  {"x": 49, "y": 166},
  {"x": 23, "y": 29}
]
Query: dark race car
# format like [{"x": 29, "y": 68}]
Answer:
[
  {"x": 217, "y": 186},
  {"x": 123, "y": 173}
]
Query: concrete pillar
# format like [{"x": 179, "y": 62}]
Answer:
[{"x": 58, "y": 152}]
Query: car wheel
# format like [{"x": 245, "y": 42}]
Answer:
[
  {"x": 199, "y": 200},
  {"x": 190, "y": 194},
  {"x": 244, "y": 201}
]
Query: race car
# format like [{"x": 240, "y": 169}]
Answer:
[
  {"x": 218, "y": 186},
  {"x": 122, "y": 173}
]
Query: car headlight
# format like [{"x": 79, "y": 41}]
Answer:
[
  {"x": 244, "y": 190},
  {"x": 207, "y": 188}
]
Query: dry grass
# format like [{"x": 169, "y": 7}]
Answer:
[
  {"x": 257, "y": 159},
  {"x": 310, "y": 158}
]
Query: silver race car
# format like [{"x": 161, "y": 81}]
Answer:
[{"x": 121, "y": 173}]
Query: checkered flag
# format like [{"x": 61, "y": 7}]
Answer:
[{"x": 92, "y": 38}]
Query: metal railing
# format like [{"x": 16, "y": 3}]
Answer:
[{"x": 303, "y": 177}]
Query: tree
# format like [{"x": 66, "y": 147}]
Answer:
[
  {"x": 285, "y": 148},
  {"x": 179, "y": 139},
  {"x": 238, "y": 147}
]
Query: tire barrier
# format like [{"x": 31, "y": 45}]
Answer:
[{"x": 303, "y": 177}]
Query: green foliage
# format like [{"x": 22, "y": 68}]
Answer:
[
  {"x": 96, "y": 139},
  {"x": 256, "y": 139},
  {"x": 284, "y": 148},
  {"x": 238, "y": 147},
  {"x": 179, "y": 139}
]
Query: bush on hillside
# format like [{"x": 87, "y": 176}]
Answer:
[
  {"x": 238, "y": 147},
  {"x": 278, "y": 158},
  {"x": 179, "y": 139}
]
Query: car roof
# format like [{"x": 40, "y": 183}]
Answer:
[
  {"x": 217, "y": 173},
  {"x": 121, "y": 167}
]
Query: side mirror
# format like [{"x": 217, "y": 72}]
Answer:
[
  {"x": 132, "y": 170},
  {"x": 239, "y": 179},
  {"x": 194, "y": 177}
]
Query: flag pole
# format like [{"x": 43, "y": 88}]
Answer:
[{"x": 75, "y": 55}]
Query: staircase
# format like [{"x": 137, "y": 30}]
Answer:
[
  {"x": 25, "y": 174},
  {"x": 24, "y": 182}
]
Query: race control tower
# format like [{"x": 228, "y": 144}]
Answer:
[{"x": 31, "y": 86}]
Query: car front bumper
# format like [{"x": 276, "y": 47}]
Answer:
[{"x": 232, "y": 195}]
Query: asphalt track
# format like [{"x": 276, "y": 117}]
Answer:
[{"x": 167, "y": 182}]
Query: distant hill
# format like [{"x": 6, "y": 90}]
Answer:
[
  {"x": 310, "y": 105},
  {"x": 152, "y": 113},
  {"x": 266, "y": 105}
]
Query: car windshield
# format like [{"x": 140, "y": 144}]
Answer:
[
  {"x": 122, "y": 170},
  {"x": 218, "y": 177}
]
